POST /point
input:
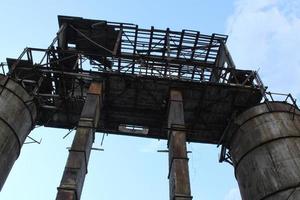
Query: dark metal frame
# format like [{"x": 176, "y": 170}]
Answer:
[
  {"x": 202, "y": 73},
  {"x": 198, "y": 65},
  {"x": 63, "y": 71}
]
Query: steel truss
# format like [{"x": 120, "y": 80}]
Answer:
[{"x": 85, "y": 50}]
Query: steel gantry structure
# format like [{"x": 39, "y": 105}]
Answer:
[
  {"x": 118, "y": 78},
  {"x": 138, "y": 68}
]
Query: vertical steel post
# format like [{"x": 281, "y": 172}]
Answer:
[
  {"x": 76, "y": 168},
  {"x": 178, "y": 161}
]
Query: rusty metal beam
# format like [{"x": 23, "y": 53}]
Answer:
[
  {"x": 179, "y": 181},
  {"x": 76, "y": 168}
]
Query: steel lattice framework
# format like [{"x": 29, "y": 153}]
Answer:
[
  {"x": 138, "y": 67},
  {"x": 117, "y": 78}
]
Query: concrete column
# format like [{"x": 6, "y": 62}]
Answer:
[
  {"x": 265, "y": 150},
  {"x": 62, "y": 40},
  {"x": 178, "y": 161},
  {"x": 17, "y": 118},
  {"x": 76, "y": 168}
]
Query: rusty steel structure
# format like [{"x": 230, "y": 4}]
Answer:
[{"x": 181, "y": 86}]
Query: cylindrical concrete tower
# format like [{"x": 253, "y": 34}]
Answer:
[
  {"x": 265, "y": 150},
  {"x": 17, "y": 117}
]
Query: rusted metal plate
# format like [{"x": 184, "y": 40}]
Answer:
[{"x": 95, "y": 88}]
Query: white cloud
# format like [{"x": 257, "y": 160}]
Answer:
[
  {"x": 233, "y": 194},
  {"x": 265, "y": 34}
]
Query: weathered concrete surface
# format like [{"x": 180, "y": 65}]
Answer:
[
  {"x": 265, "y": 150},
  {"x": 76, "y": 168},
  {"x": 179, "y": 179},
  {"x": 17, "y": 117}
]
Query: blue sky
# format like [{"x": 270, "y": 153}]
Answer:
[{"x": 263, "y": 34}]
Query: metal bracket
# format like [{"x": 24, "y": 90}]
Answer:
[{"x": 33, "y": 141}]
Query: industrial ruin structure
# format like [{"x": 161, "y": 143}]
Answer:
[{"x": 181, "y": 86}]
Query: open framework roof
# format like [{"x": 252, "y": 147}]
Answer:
[{"x": 138, "y": 68}]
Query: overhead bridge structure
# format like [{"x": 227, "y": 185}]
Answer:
[{"x": 181, "y": 86}]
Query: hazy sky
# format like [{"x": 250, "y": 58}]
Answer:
[{"x": 263, "y": 34}]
